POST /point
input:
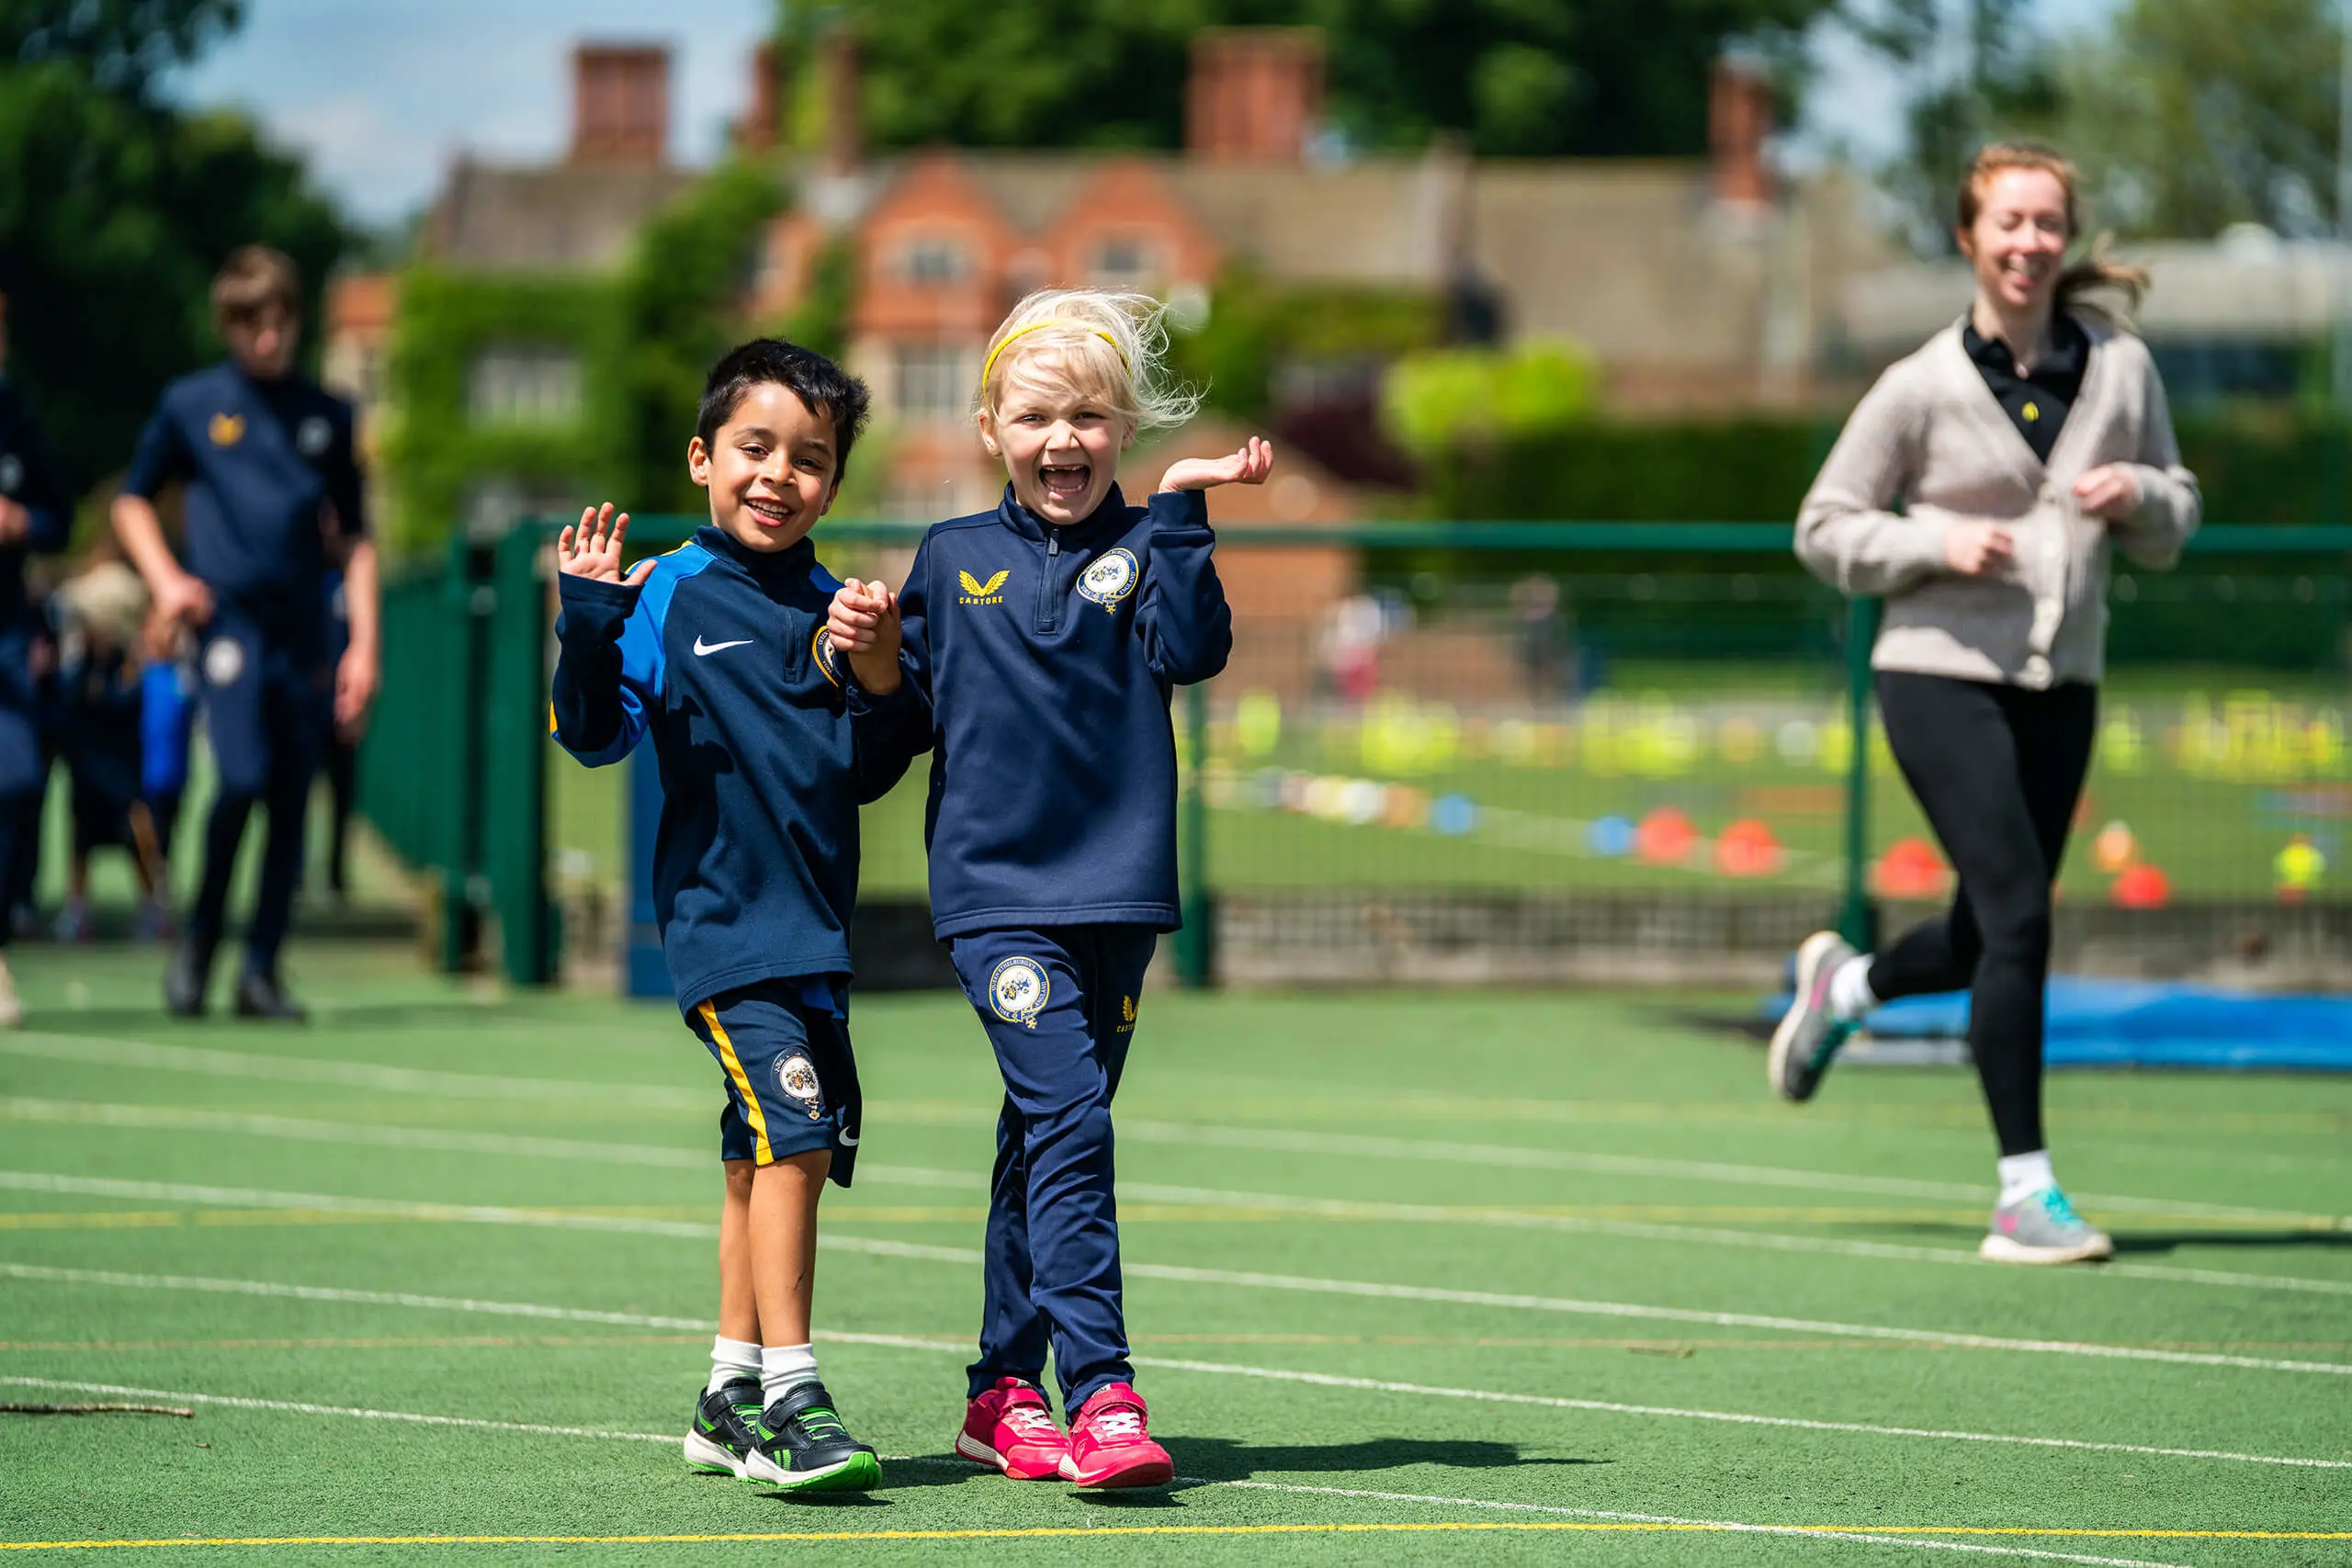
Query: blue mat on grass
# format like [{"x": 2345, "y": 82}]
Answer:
[{"x": 2126, "y": 1024}]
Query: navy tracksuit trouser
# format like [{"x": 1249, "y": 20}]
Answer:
[
  {"x": 266, "y": 711},
  {"x": 1059, "y": 1005}
]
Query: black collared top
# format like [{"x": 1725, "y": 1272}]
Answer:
[{"x": 2037, "y": 402}]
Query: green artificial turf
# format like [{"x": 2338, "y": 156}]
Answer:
[{"x": 1539, "y": 1182}]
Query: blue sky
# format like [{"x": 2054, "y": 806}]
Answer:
[{"x": 381, "y": 93}]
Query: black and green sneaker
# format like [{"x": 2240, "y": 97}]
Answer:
[
  {"x": 721, "y": 1434},
  {"x": 800, "y": 1445}
]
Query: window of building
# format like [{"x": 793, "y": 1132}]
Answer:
[
  {"x": 934, "y": 261},
  {"x": 1125, "y": 261},
  {"x": 933, "y": 381},
  {"x": 510, "y": 384}
]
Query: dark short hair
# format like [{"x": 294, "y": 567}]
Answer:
[
  {"x": 254, "y": 278},
  {"x": 816, "y": 380}
]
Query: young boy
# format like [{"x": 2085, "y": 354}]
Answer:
[
  {"x": 718, "y": 651},
  {"x": 1048, "y": 636},
  {"x": 34, "y": 515},
  {"x": 273, "y": 493}
]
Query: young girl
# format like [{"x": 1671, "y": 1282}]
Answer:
[
  {"x": 2024, "y": 443},
  {"x": 1048, "y": 636}
]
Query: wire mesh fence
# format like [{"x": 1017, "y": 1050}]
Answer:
[{"x": 1539, "y": 752}]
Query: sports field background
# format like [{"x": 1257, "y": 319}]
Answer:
[{"x": 1493, "y": 1277}]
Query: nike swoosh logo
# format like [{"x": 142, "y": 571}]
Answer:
[{"x": 704, "y": 650}]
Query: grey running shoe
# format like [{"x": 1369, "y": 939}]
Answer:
[
  {"x": 2043, "y": 1228},
  {"x": 1809, "y": 1035}
]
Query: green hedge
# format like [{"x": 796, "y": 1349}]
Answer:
[{"x": 2255, "y": 467}]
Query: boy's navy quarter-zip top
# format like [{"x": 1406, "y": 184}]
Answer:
[
  {"x": 1052, "y": 775},
  {"x": 766, "y": 751}
]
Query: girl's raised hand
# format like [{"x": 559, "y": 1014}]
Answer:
[
  {"x": 1247, "y": 467},
  {"x": 594, "y": 549}
]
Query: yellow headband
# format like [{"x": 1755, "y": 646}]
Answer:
[{"x": 1040, "y": 326}]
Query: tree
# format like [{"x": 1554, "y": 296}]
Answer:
[
  {"x": 114, "y": 214},
  {"x": 122, "y": 43},
  {"x": 1973, "y": 71},
  {"x": 1517, "y": 77},
  {"x": 2191, "y": 115}
]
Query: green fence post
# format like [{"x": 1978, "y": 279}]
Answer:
[
  {"x": 1196, "y": 943},
  {"x": 458, "y": 849},
  {"x": 1858, "y": 917},
  {"x": 514, "y": 759}
]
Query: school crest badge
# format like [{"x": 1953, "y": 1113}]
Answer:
[
  {"x": 226, "y": 429},
  {"x": 1110, "y": 579},
  {"x": 796, "y": 1076},
  {"x": 1018, "y": 990},
  {"x": 828, "y": 657},
  {"x": 313, "y": 436}
]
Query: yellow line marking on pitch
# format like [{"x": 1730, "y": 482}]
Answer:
[{"x": 1060, "y": 1531}]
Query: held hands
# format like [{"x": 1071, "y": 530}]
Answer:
[
  {"x": 864, "y": 625},
  {"x": 1247, "y": 467},
  {"x": 179, "y": 595},
  {"x": 1980, "y": 549},
  {"x": 2110, "y": 491},
  {"x": 592, "y": 550}
]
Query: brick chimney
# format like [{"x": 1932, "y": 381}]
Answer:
[
  {"x": 620, "y": 104},
  {"x": 1739, "y": 118},
  {"x": 1255, "y": 93},
  {"x": 840, "y": 72},
  {"x": 763, "y": 121}
]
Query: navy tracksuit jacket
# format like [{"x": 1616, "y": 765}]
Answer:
[
  {"x": 721, "y": 657},
  {"x": 1049, "y": 656},
  {"x": 270, "y": 469}
]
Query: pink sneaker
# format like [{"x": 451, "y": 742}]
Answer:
[
  {"x": 1110, "y": 1443},
  {"x": 1009, "y": 1427}
]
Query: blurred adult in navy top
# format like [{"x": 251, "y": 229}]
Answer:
[
  {"x": 34, "y": 515},
  {"x": 273, "y": 498}
]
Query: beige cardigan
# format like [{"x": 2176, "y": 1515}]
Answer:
[{"x": 1932, "y": 438}]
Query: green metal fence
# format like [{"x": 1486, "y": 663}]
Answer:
[{"x": 1460, "y": 741}]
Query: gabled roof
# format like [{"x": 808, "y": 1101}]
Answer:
[{"x": 546, "y": 218}]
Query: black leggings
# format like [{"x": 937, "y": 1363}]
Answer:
[{"x": 1998, "y": 770}]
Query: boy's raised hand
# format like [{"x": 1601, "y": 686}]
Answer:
[
  {"x": 864, "y": 625},
  {"x": 594, "y": 549},
  {"x": 1247, "y": 467}
]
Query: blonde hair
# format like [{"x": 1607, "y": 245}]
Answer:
[
  {"x": 1112, "y": 345},
  {"x": 107, "y": 601},
  {"x": 2096, "y": 269}
]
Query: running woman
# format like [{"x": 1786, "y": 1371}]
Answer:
[
  {"x": 1048, "y": 636},
  {"x": 2021, "y": 445}
]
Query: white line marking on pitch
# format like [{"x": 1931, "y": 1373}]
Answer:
[
  {"x": 410, "y": 1080},
  {"x": 1240, "y": 1278},
  {"x": 1286, "y": 1141},
  {"x": 1247, "y": 1279},
  {"x": 908, "y": 1342},
  {"x": 299, "y": 1407},
  {"x": 306, "y": 1128},
  {"x": 357, "y": 1074}
]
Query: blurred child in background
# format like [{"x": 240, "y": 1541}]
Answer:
[{"x": 102, "y": 615}]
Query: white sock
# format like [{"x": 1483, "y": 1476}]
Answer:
[
  {"x": 732, "y": 1360},
  {"x": 785, "y": 1366},
  {"x": 2022, "y": 1176},
  {"x": 1850, "y": 989}
]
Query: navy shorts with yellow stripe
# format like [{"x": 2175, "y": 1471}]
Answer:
[{"x": 791, "y": 1079}]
